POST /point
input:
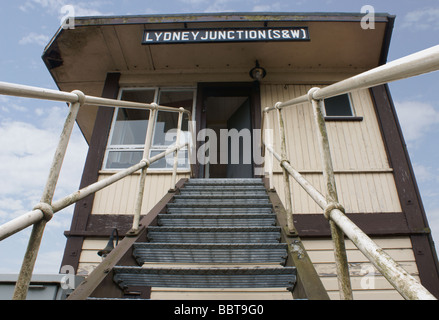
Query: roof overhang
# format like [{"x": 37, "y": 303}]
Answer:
[{"x": 80, "y": 58}]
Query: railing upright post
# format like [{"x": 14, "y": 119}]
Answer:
[
  {"x": 191, "y": 147},
  {"x": 45, "y": 205},
  {"x": 286, "y": 177},
  {"x": 177, "y": 143},
  {"x": 267, "y": 141},
  {"x": 337, "y": 235},
  {"x": 141, "y": 187}
]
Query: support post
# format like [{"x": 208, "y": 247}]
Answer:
[
  {"x": 177, "y": 143},
  {"x": 267, "y": 141},
  {"x": 337, "y": 234},
  {"x": 286, "y": 177},
  {"x": 45, "y": 205},
  {"x": 141, "y": 187}
]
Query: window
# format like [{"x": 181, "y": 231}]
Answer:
[
  {"x": 339, "y": 106},
  {"x": 128, "y": 132}
]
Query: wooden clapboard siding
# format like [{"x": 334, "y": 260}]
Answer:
[
  {"x": 366, "y": 281},
  {"x": 364, "y": 178},
  {"x": 371, "y": 192},
  {"x": 120, "y": 197},
  {"x": 355, "y": 145}
]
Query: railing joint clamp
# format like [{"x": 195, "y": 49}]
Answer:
[
  {"x": 311, "y": 93},
  {"x": 331, "y": 206},
  {"x": 81, "y": 96},
  {"x": 284, "y": 160},
  {"x": 146, "y": 163},
  {"x": 46, "y": 209}
]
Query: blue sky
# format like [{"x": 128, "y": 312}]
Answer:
[{"x": 29, "y": 129}]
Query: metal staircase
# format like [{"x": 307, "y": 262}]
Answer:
[
  {"x": 219, "y": 235},
  {"x": 204, "y": 241}
]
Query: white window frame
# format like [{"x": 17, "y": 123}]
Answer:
[
  {"x": 140, "y": 148},
  {"x": 351, "y": 105}
]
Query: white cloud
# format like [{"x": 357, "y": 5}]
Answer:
[
  {"x": 27, "y": 152},
  {"x": 422, "y": 19},
  {"x": 27, "y": 149},
  {"x": 34, "y": 38},
  {"x": 272, "y": 7},
  {"x": 433, "y": 221},
  {"x": 416, "y": 118},
  {"x": 426, "y": 174},
  {"x": 82, "y": 8},
  {"x": 219, "y": 6}
]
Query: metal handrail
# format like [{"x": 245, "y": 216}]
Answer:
[
  {"x": 44, "y": 211},
  {"x": 415, "y": 64},
  {"x": 18, "y": 90},
  {"x": 418, "y": 63},
  {"x": 412, "y": 65}
]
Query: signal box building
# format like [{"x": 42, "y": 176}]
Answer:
[{"x": 226, "y": 69}]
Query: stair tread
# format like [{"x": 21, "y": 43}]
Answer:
[
  {"x": 224, "y": 181},
  {"x": 222, "y": 205},
  {"x": 212, "y": 229},
  {"x": 210, "y": 253},
  {"x": 205, "y": 270},
  {"x": 212, "y": 245},
  {"x": 235, "y": 277},
  {"x": 223, "y": 216},
  {"x": 233, "y": 196}
]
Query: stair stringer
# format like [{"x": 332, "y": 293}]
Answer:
[{"x": 308, "y": 283}]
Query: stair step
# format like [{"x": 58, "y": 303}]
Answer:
[
  {"x": 225, "y": 220},
  {"x": 205, "y": 277},
  {"x": 220, "y": 204},
  {"x": 221, "y": 196},
  {"x": 223, "y": 188},
  {"x": 223, "y": 193},
  {"x": 235, "y": 182},
  {"x": 214, "y": 234},
  {"x": 210, "y": 253},
  {"x": 216, "y": 210},
  {"x": 223, "y": 201}
]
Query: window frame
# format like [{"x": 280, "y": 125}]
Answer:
[
  {"x": 352, "y": 117},
  {"x": 137, "y": 147}
]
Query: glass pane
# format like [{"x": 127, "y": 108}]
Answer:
[
  {"x": 168, "y": 162},
  {"x": 123, "y": 159},
  {"x": 131, "y": 124},
  {"x": 177, "y": 99},
  {"x": 166, "y": 126},
  {"x": 130, "y": 127},
  {"x": 138, "y": 95},
  {"x": 338, "y": 106}
]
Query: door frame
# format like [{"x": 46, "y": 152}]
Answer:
[{"x": 225, "y": 89}]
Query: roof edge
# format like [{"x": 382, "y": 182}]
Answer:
[{"x": 225, "y": 16}]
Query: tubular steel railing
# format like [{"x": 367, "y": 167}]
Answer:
[
  {"x": 412, "y": 65},
  {"x": 415, "y": 64},
  {"x": 44, "y": 210}
]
